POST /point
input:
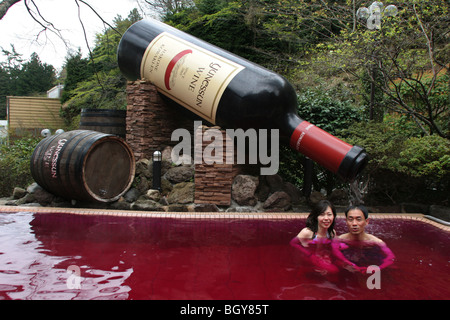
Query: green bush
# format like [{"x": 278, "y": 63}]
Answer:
[
  {"x": 15, "y": 164},
  {"x": 402, "y": 167}
]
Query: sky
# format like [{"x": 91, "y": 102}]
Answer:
[{"x": 18, "y": 27}]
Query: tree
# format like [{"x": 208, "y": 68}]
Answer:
[
  {"x": 96, "y": 82},
  {"x": 77, "y": 69},
  {"x": 19, "y": 78},
  {"x": 410, "y": 56}
]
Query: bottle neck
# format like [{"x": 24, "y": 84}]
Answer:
[{"x": 328, "y": 151}]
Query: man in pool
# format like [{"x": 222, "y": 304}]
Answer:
[{"x": 357, "y": 250}]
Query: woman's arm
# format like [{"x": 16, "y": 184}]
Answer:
[{"x": 295, "y": 242}]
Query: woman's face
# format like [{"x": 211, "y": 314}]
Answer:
[{"x": 326, "y": 218}]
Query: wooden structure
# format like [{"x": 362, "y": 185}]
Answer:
[{"x": 33, "y": 114}]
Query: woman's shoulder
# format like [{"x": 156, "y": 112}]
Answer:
[{"x": 305, "y": 233}]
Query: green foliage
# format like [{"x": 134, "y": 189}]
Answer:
[
  {"x": 325, "y": 110},
  {"x": 427, "y": 156},
  {"x": 78, "y": 70},
  {"x": 97, "y": 83},
  {"x": 403, "y": 166},
  {"x": 15, "y": 164}
]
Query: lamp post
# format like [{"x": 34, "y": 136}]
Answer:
[
  {"x": 373, "y": 15},
  {"x": 157, "y": 157}
]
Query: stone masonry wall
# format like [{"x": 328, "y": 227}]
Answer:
[
  {"x": 150, "y": 121},
  {"x": 213, "y": 180}
]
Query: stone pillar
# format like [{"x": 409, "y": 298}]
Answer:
[
  {"x": 150, "y": 121},
  {"x": 213, "y": 180}
]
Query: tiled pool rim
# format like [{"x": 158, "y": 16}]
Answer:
[{"x": 213, "y": 215}]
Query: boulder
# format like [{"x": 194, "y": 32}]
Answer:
[
  {"x": 206, "y": 207},
  {"x": 241, "y": 209},
  {"x": 315, "y": 197},
  {"x": 339, "y": 197},
  {"x": 146, "y": 205},
  {"x": 131, "y": 195},
  {"x": 177, "y": 207},
  {"x": 19, "y": 193},
  {"x": 295, "y": 194},
  {"x": 243, "y": 190},
  {"x": 263, "y": 190},
  {"x": 275, "y": 183},
  {"x": 278, "y": 201},
  {"x": 182, "y": 193},
  {"x": 142, "y": 168},
  {"x": 180, "y": 174},
  {"x": 43, "y": 197},
  {"x": 154, "y": 195}
]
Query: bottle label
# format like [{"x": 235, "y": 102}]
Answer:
[{"x": 188, "y": 74}]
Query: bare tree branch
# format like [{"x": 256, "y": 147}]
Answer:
[{"x": 5, "y": 5}]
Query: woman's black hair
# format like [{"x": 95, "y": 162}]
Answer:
[{"x": 313, "y": 224}]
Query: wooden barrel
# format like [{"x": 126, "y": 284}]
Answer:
[
  {"x": 84, "y": 165},
  {"x": 104, "y": 120}
]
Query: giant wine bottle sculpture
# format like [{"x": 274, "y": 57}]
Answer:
[{"x": 229, "y": 91}]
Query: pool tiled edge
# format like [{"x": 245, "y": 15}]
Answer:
[{"x": 210, "y": 215}]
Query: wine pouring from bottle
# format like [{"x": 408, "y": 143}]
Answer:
[{"x": 229, "y": 91}]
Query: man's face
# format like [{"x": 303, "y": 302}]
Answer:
[{"x": 356, "y": 222}]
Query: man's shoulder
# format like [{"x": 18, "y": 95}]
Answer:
[{"x": 375, "y": 239}]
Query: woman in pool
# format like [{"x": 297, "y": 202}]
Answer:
[{"x": 314, "y": 240}]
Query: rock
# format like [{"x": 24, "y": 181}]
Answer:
[
  {"x": 154, "y": 195},
  {"x": 166, "y": 187},
  {"x": 182, "y": 193},
  {"x": 142, "y": 168},
  {"x": 243, "y": 190},
  {"x": 339, "y": 197},
  {"x": 121, "y": 204},
  {"x": 131, "y": 195},
  {"x": 275, "y": 183},
  {"x": 28, "y": 198},
  {"x": 295, "y": 194},
  {"x": 32, "y": 187},
  {"x": 43, "y": 197},
  {"x": 146, "y": 205},
  {"x": 315, "y": 197},
  {"x": 166, "y": 154},
  {"x": 176, "y": 207},
  {"x": 143, "y": 184},
  {"x": 19, "y": 193},
  {"x": 263, "y": 190},
  {"x": 180, "y": 174},
  {"x": 205, "y": 207},
  {"x": 241, "y": 209},
  {"x": 278, "y": 201}
]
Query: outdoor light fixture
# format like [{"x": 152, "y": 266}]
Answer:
[
  {"x": 157, "y": 157},
  {"x": 46, "y": 133},
  {"x": 374, "y": 13},
  {"x": 59, "y": 131}
]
